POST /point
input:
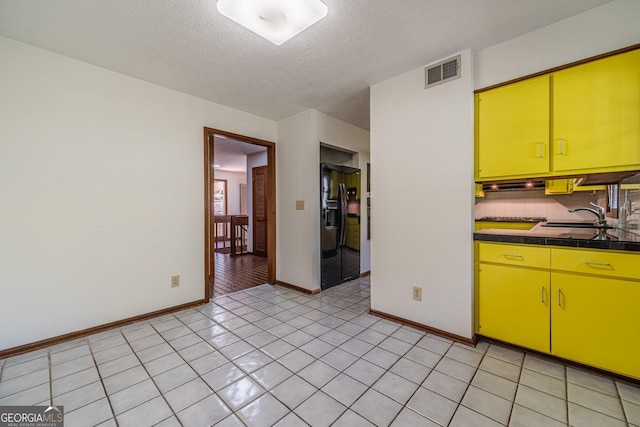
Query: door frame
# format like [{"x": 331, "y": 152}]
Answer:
[{"x": 209, "y": 264}]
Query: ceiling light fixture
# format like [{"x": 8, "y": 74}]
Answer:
[{"x": 275, "y": 20}]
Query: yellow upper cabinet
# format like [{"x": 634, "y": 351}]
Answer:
[
  {"x": 512, "y": 134},
  {"x": 596, "y": 115},
  {"x": 590, "y": 111}
]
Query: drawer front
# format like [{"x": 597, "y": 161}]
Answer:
[
  {"x": 604, "y": 263},
  {"x": 518, "y": 255}
]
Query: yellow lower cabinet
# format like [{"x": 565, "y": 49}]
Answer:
[
  {"x": 578, "y": 304},
  {"x": 514, "y": 305},
  {"x": 516, "y": 255},
  {"x": 597, "y": 262},
  {"x": 596, "y": 321}
]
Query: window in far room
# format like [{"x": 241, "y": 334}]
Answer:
[{"x": 220, "y": 197}]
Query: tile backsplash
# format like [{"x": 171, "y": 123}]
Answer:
[{"x": 534, "y": 203}]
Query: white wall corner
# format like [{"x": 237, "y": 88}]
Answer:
[
  {"x": 422, "y": 199},
  {"x": 297, "y": 157}
]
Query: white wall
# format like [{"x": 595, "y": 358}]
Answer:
[
  {"x": 422, "y": 199},
  {"x": 600, "y": 30},
  {"x": 298, "y": 178},
  {"x": 234, "y": 179},
  {"x": 101, "y": 193},
  {"x": 297, "y": 160},
  {"x": 253, "y": 160}
]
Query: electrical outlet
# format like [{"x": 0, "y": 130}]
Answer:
[
  {"x": 417, "y": 293},
  {"x": 299, "y": 205},
  {"x": 175, "y": 281}
]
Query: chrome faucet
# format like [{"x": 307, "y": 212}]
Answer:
[{"x": 599, "y": 212}]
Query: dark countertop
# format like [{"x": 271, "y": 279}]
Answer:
[{"x": 560, "y": 236}]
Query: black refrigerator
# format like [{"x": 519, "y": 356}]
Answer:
[{"x": 340, "y": 224}]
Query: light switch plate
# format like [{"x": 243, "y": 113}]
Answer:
[
  {"x": 175, "y": 281},
  {"x": 417, "y": 293},
  {"x": 299, "y": 205}
]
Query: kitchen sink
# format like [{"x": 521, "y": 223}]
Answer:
[
  {"x": 587, "y": 235},
  {"x": 576, "y": 224}
]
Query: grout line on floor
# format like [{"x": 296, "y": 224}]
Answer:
[
  {"x": 513, "y": 402},
  {"x": 624, "y": 410},
  {"x": 152, "y": 380},
  {"x": 50, "y": 377},
  {"x": 566, "y": 391},
  {"x": 468, "y": 386},
  {"x": 106, "y": 393}
]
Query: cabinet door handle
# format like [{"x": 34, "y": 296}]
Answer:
[
  {"x": 541, "y": 149},
  {"x": 561, "y": 147},
  {"x": 513, "y": 256},
  {"x": 599, "y": 264},
  {"x": 542, "y": 294},
  {"x": 559, "y": 294}
]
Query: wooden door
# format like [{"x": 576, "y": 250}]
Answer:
[{"x": 260, "y": 178}]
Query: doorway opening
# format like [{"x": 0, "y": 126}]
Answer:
[{"x": 240, "y": 222}]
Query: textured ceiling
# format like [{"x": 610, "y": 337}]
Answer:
[
  {"x": 232, "y": 154},
  {"x": 188, "y": 46}
]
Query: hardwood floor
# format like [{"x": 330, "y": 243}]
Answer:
[{"x": 236, "y": 273}]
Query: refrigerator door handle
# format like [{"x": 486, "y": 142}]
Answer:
[{"x": 343, "y": 214}]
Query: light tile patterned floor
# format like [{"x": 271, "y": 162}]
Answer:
[{"x": 271, "y": 356}]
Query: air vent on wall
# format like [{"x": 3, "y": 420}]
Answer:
[{"x": 442, "y": 72}]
